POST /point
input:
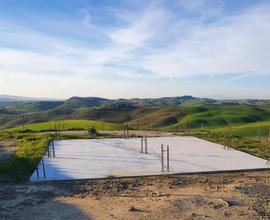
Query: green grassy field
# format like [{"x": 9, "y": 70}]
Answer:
[
  {"x": 33, "y": 142},
  {"x": 252, "y": 138},
  {"x": 67, "y": 125},
  {"x": 197, "y": 116}
]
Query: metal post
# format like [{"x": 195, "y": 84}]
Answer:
[
  {"x": 37, "y": 172},
  {"x": 59, "y": 130},
  {"x": 48, "y": 143},
  {"x": 53, "y": 148},
  {"x": 142, "y": 145},
  {"x": 168, "y": 159},
  {"x": 23, "y": 121},
  {"x": 268, "y": 141},
  {"x": 55, "y": 131},
  {"x": 127, "y": 131},
  {"x": 145, "y": 143},
  {"x": 162, "y": 158},
  {"x": 48, "y": 151},
  {"x": 269, "y": 147},
  {"x": 44, "y": 174}
]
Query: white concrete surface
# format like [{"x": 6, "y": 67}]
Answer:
[{"x": 100, "y": 158}]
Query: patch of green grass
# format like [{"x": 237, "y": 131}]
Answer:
[
  {"x": 196, "y": 116},
  {"x": 125, "y": 181},
  {"x": 32, "y": 147},
  {"x": 67, "y": 125},
  {"x": 250, "y": 138},
  {"x": 24, "y": 162}
]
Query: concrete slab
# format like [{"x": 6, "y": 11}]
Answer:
[{"x": 101, "y": 158}]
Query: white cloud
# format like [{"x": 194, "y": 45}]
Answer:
[
  {"x": 237, "y": 44},
  {"x": 141, "y": 27},
  {"x": 155, "y": 41}
]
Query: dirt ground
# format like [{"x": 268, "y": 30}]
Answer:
[{"x": 209, "y": 196}]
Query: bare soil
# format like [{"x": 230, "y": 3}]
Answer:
[{"x": 209, "y": 196}]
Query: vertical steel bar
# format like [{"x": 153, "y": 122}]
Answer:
[
  {"x": 168, "y": 159},
  {"x": 53, "y": 149},
  {"x": 142, "y": 145},
  {"x": 37, "y": 172},
  {"x": 44, "y": 174},
  {"x": 162, "y": 158},
  {"x": 145, "y": 143}
]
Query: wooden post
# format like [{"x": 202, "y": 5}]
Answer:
[
  {"x": 162, "y": 158},
  {"x": 137, "y": 125},
  {"x": 168, "y": 159}
]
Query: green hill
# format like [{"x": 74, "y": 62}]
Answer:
[
  {"x": 160, "y": 113},
  {"x": 220, "y": 116},
  {"x": 67, "y": 125}
]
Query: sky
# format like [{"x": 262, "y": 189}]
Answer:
[{"x": 125, "y": 49}]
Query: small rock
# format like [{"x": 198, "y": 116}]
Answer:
[
  {"x": 218, "y": 206},
  {"x": 227, "y": 214},
  {"x": 233, "y": 202},
  {"x": 134, "y": 209}
]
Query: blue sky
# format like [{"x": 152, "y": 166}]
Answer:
[{"x": 123, "y": 49}]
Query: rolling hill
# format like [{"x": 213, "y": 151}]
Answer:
[{"x": 161, "y": 113}]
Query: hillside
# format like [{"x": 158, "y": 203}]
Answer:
[{"x": 161, "y": 113}]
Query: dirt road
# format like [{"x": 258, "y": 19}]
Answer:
[{"x": 212, "y": 196}]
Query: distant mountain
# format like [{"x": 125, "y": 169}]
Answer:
[
  {"x": 162, "y": 111},
  {"x": 11, "y": 98},
  {"x": 98, "y": 102}
]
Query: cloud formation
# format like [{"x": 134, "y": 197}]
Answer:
[{"x": 147, "y": 40}]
